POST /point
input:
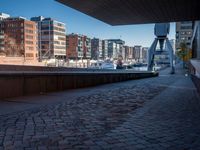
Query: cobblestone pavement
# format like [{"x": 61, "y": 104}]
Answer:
[{"x": 156, "y": 113}]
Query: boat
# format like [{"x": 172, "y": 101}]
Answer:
[{"x": 107, "y": 64}]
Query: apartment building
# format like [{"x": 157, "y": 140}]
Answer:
[
  {"x": 105, "y": 49},
  {"x": 18, "y": 38},
  {"x": 121, "y": 44},
  {"x": 183, "y": 33},
  {"x": 129, "y": 53},
  {"x": 78, "y": 46},
  {"x": 96, "y": 50},
  {"x": 144, "y": 54},
  {"x": 137, "y": 52},
  {"x": 86, "y": 47},
  {"x": 113, "y": 50},
  {"x": 51, "y": 38}
]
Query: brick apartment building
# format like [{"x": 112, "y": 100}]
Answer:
[
  {"x": 18, "y": 38},
  {"x": 78, "y": 47},
  {"x": 86, "y": 47}
]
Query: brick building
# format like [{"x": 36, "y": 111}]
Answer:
[
  {"x": 78, "y": 46},
  {"x": 18, "y": 38}
]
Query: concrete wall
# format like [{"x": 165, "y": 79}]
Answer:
[
  {"x": 22, "y": 84},
  {"x": 196, "y": 81},
  {"x": 195, "y": 41}
]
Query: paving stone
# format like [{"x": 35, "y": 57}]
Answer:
[{"x": 138, "y": 114}]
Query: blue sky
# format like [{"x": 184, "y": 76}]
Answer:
[{"x": 77, "y": 22}]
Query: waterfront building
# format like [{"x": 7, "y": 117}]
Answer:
[
  {"x": 51, "y": 38},
  {"x": 126, "y": 55},
  {"x": 121, "y": 43},
  {"x": 86, "y": 47},
  {"x": 78, "y": 46},
  {"x": 105, "y": 49},
  {"x": 18, "y": 38},
  {"x": 96, "y": 49},
  {"x": 137, "y": 53},
  {"x": 113, "y": 50},
  {"x": 75, "y": 46}
]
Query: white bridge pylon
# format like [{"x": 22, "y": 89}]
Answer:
[{"x": 161, "y": 30}]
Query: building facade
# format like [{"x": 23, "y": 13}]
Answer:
[
  {"x": 121, "y": 44},
  {"x": 96, "y": 49},
  {"x": 78, "y": 47},
  {"x": 126, "y": 49},
  {"x": 18, "y": 38},
  {"x": 105, "y": 49},
  {"x": 51, "y": 38},
  {"x": 113, "y": 50},
  {"x": 86, "y": 47},
  {"x": 144, "y": 54},
  {"x": 183, "y": 33},
  {"x": 74, "y": 46},
  {"x": 137, "y": 53}
]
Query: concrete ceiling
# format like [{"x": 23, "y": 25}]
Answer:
[{"x": 126, "y": 12}]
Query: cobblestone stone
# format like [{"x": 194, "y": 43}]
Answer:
[{"x": 156, "y": 113}]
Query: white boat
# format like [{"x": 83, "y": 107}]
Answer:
[
  {"x": 102, "y": 65},
  {"x": 107, "y": 65}
]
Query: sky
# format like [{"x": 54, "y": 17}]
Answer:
[{"x": 77, "y": 22}]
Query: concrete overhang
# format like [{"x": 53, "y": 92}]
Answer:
[{"x": 127, "y": 12}]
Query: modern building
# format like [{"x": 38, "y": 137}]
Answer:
[
  {"x": 137, "y": 53},
  {"x": 51, "y": 38},
  {"x": 75, "y": 46},
  {"x": 183, "y": 33},
  {"x": 18, "y": 38},
  {"x": 144, "y": 54},
  {"x": 126, "y": 51},
  {"x": 96, "y": 49},
  {"x": 86, "y": 47},
  {"x": 4, "y": 16},
  {"x": 121, "y": 44},
  {"x": 129, "y": 53},
  {"x": 113, "y": 50},
  {"x": 105, "y": 49}
]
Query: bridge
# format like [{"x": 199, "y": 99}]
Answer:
[{"x": 125, "y": 12}]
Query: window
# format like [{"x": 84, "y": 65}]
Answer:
[
  {"x": 29, "y": 25},
  {"x": 29, "y": 37},
  {"x": 28, "y": 31},
  {"x": 29, "y": 54},
  {"x": 186, "y": 27},
  {"x": 29, "y": 42},
  {"x": 30, "y": 48}
]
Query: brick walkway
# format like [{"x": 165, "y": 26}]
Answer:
[{"x": 156, "y": 113}]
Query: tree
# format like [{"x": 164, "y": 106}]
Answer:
[{"x": 184, "y": 53}]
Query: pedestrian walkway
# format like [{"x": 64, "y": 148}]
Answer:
[{"x": 155, "y": 113}]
